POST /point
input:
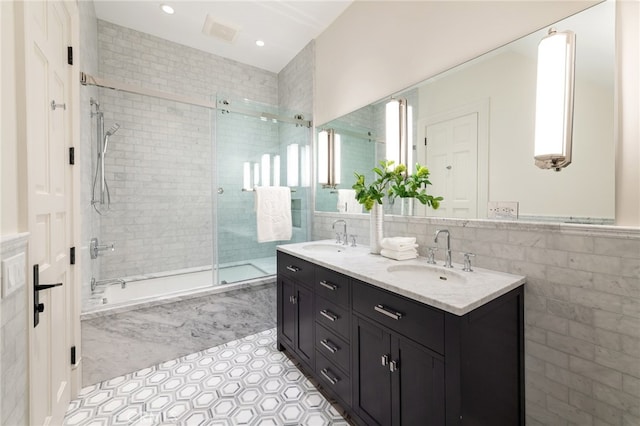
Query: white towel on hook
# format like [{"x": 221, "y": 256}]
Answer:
[
  {"x": 347, "y": 202},
  {"x": 273, "y": 213}
]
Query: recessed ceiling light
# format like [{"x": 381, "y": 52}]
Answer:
[
  {"x": 259, "y": 43},
  {"x": 167, "y": 9}
]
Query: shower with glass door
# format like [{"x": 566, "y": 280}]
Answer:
[{"x": 170, "y": 209}]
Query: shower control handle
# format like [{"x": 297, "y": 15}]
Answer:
[{"x": 95, "y": 248}]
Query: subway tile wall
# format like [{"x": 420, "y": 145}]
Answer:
[
  {"x": 159, "y": 163},
  {"x": 582, "y": 307}
]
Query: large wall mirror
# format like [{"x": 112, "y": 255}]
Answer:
[{"x": 473, "y": 126}]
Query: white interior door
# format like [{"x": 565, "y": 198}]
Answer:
[
  {"x": 47, "y": 29},
  {"x": 451, "y": 155}
]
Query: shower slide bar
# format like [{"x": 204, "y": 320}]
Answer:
[{"x": 89, "y": 80}]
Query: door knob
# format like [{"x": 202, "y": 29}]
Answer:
[{"x": 38, "y": 307}]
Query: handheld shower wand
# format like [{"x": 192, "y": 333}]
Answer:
[{"x": 109, "y": 133}]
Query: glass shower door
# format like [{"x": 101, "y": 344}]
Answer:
[{"x": 252, "y": 149}]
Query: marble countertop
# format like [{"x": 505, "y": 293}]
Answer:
[{"x": 451, "y": 290}]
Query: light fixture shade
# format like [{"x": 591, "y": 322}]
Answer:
[
  {"x": 328, "y": 158},
  {"x": 323, "y": 157},
  {"x": 397, "y": 132},
  {"x": 292, "y": 164},
  {"x": 305, "y": 166},
  {"x": 265, "y": 166},
  {"x": 276, "y": 170},
  {"x": 392, "y": 127},
  {"x": 554, "y": 100}
]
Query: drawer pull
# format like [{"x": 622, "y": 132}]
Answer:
[
  {"x": 328, "y": 315},
  {"x": 332, "y": 380},
  {"x": 293, "y": 268},
  {"x": 390, "y": 314},
  {"x": 393, "y": 366},
  {"x": 384, "y": 360},
  {"x": 328, "y": 285},
  {"x": 328, "y": 345}
]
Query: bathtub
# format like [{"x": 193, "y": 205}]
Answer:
[{"x": 134, "y": 292}]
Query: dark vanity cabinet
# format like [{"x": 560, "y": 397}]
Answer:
[
  {"x": 295, "y": 307},
  {"x": 390, "y": 360}
]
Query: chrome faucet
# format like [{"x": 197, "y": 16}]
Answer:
[
  {"x": 344, "y": 223},
  {"x": 447, "y": 259}
]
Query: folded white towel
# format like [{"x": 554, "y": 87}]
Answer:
[
  {"x": 399, "y": 255},
  {"x": 273, "y": 213},
  {"x": 347, "y": 202},
  {"x": 399, "y": 243}
]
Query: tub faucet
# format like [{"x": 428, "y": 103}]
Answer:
[
  {"x": 447, "y": 259},
  {"x": 344, "y": 223}
]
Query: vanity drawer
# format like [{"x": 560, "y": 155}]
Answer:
[
  {"x": 296, "y": 268},
  {"x": 332, "y": 317},
  {"x": 333, "y": 286},
  {"x": 333, "y": 379},
  {"x": 332, "y": 347},
  {"x": 414, "y": 320}
]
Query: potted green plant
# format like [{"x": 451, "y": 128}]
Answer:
[{"x": 391, "y": 182}]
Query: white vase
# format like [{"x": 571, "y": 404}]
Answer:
[{"x": 376, "y": 224}]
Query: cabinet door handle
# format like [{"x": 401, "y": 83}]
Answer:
[
  {"x": 293, "y": 268},
  {"x": 393, "y": 366},
  {"x": 385, "y": 311},
  {"x": 293, "y": 299},
  {"x": 385, "y": 360},
  {"x": 327, "y": 344},
  {"x": 332, "y": 380},
  {"x": 328, "y": 285},
  {"x": 328, "y": 315}
]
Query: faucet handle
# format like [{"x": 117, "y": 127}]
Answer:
[
  {"x": 353, "y": 240},
  {"x": 467, "y": 262},
  {"x": 431, "y": 255}
]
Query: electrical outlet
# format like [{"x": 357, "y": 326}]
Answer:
[
  {"x": 13, "y": 273},
  {"x": 508, "y": 210},
  {"x": 492, "y": 210}
]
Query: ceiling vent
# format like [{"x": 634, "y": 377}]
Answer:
[{"x": 219, "y": 30}]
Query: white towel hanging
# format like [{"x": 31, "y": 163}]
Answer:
[{"x": 273, "y": 213}]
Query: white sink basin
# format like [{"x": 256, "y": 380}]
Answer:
[
  {"x": 426, "y": 273},
  {"x": 325, "y": 248}
]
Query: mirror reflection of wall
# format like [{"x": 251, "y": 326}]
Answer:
[{"x": 478, "y": 119}]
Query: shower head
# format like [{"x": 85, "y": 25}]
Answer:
[
  {"x": 110, "y": 132},
  {"x": 113, "y": 129}
]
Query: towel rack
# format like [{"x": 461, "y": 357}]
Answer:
[{"x": 253, "y": 189}]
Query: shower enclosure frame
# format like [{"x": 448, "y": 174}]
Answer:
[{"x": 214, "y": 108}]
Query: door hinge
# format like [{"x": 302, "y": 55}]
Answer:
[
  {"x": 72, "y": 155},
  {"x": 425, "y": 141},
  {"x": 70, "y": 55},
  {"x": 72, "y": 256},
  {"x": 73, "y": 355}
]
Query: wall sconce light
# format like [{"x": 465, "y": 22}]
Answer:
[
  {"x": 266, "y": 169},
  {"x": 292, "y": 165},
  {"x": 276, "y": 170},
  {"x": 328, "y": 158},
  {"x": 399, "y": 125},
  {"x": 554, "y": 100}
]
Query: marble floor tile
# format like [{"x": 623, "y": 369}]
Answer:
[
  {"x": 243, "y": 382},
  {"x": 113, "y": 345}
]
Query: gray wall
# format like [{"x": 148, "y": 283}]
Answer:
[{"x": 582, "y": 299}]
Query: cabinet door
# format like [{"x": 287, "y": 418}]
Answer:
[
  {"x": 286, "y": 311},
  {"x": 417, "y": 385},
  {"x": 372, "y": 381},
  {"x": 305, "y": 341}
]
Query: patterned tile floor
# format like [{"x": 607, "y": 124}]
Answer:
[{"x": 244, "y": 382}]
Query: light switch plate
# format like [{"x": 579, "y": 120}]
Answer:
[{"x": 13, "y": 273}]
